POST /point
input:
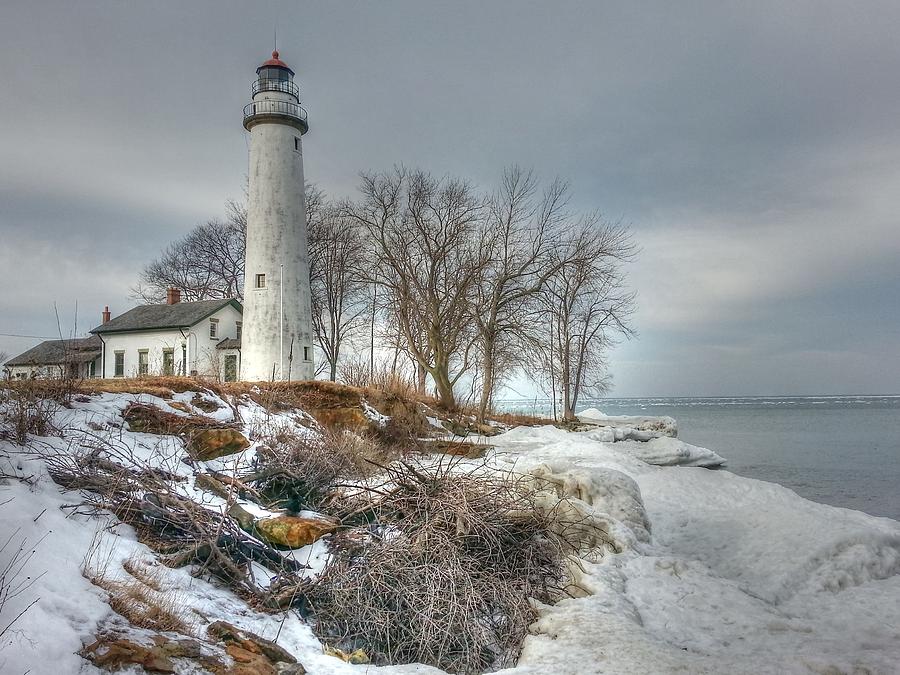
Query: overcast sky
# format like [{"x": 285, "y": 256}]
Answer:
[{"x": 753, "y": 147}]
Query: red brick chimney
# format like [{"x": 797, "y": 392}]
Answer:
[
  {"x": 173, "y": 296},
  {"x": 105, "y": 314}
]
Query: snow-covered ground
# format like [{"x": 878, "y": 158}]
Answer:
[
  {"x": 739, "y": 576},
  {"x": 717, "y": 573}
]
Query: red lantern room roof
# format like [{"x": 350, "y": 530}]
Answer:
[{"x": 276, "y": 62}]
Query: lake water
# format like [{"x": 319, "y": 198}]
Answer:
[{"x": 839, "y": 450}]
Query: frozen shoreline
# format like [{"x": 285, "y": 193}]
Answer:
[
  {"x": 740, "y": 575},
  {"x": 717, "y": 573}
]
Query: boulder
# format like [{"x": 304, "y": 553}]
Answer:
[
  {"x": 246, "y": 647},
  {"x": 293, "y": 531},
  {"x": 210, "y": 444},
  {"x": 161, "y": 655}
]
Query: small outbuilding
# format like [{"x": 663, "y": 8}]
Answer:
[{"x": 77, "y": 358}]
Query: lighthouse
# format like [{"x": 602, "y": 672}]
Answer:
[{"x": 276, "y": 340}]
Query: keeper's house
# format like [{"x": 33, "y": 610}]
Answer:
[{"x": 178, "y": 338}]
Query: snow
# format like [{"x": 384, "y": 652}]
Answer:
[
  {"x": 666, "y": 451},
  {"x": 373, "y": 415},
  {"x": 637, "y": 427},
  {"x": 714, "y": 572},
  {"x": 739, "y": 576}
]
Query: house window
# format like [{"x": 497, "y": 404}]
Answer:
[
  {"x": 306, "y": 353},
  {"x": 120, "y": 365},
  {"x": 168, "y": 361},
  {"x": 143, "y": 362},
  {"x": 239, "y": 327},
  {"x": 213, "y": 329},
  {"x": 260, "y": 280}
]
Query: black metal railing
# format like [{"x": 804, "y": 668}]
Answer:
[
  {"x": 270, "y": 84},
  {"x": 275, "y": 108}
]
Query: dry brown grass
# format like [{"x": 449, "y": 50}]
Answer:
[
  {"x": 141, "y": 598},
  {"x": 162, "y": 387},
  {"x": 518, "y": 420}
]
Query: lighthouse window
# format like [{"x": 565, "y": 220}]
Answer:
[
  {"x": 306, "y": 353},
  {"x": 260, "y": 280},
  {"x": 297, "y": 143}
]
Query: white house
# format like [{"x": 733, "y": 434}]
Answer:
[{"x": 177, "y": 338}]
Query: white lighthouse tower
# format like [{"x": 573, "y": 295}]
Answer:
[{"x": 276, "y": 341}]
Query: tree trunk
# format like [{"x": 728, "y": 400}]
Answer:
[
  {"x": 443, "y": 387},
  {"x": 487, "y": 382},
  {"x": 421, "y": 375},
  {"x": 333, "y": 373}
]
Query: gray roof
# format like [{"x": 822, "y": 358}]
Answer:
[
  {"x": 229, "y": 343},
  {"x": 55, "y": 352},
  {"x": 161, "y": 317}
]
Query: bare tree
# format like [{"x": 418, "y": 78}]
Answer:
[
  {"x": 427, "y": 259},
  {"x": 586, "y": 308},
  {"x": 208, "y": 262},
  {"x": 340, "y": 291},
  {"x": 520, "y": 238}
]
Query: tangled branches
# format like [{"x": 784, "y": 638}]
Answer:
[
  {"x": 445, "y": 574},
  {"x": 186, "y": 532}
]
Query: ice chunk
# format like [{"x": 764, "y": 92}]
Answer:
[{"x": 666, "y": 451}]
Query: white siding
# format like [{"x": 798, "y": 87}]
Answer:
[{"x": 202, "y": 356}]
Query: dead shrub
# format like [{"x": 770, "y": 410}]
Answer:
[
  {"x": 296, "y": 472},
  {"x": 444, "y": 573},
  {"x": 140, "y": 598},
  {"x": 27, "y": 407},
  {"x": 365, "y": 454}
]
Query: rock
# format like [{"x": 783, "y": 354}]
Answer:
[
  {"x": 243, "y": 517},
  {"x": 486, "y": 429},
  {"x": 356, "y": 657},
  {"x": 117, "y": 653},
  {"x": 293, "y": 531},
  {"x": 240, "y": 644},
  {"x": 214, "y": 443}
]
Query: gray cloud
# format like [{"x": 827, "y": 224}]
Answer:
[{"x": 755, "y": 149}]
